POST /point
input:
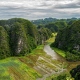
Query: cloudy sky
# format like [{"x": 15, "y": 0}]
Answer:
[{"x": 37, "y": 9}]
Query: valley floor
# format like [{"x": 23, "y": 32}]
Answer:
[{"x": 42, "y": 63}]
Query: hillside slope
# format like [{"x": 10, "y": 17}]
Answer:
[
  {"x": 19, "y": 37},
  {"x": 35, "y": 66},
  {"x": 4, "y": 43},
  {"x": 68, "y": 39}
]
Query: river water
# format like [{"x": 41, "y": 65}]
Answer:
[
  {"x": 56, "y": 56},
  {"x": 52, "y": 53}
]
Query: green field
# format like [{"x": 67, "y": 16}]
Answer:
[
  {"x": 59, "y": 51},
  {"x": 14, "y": 69},
  {"x": 20, "y": 68},
  {"x": 52, "y": 39}
]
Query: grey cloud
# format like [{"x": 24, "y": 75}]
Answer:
[
  {"x": 71, "y": 5},
  {"x": 35, "y": 9}
]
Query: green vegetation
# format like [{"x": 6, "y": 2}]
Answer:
[
  {"x": 4, "y": 43},
  {"x": 14, "y": 69},
  {"x": 21, "y": 68},
  {"x": 61, "y": 76},
  {"x": 19, "y": 37},
  {"x": 52, "y": 38},
  {"x": 75, "y": 73},
  {"x": 72, "y": 57},
  {"x": 68, "y": 39},
  {"x": 51, "y": 20},
  {"x": 44, "y": 31},
  {"x": 44, "y": 21},
  {"x": 60, "y": 52},
  {"x": 56, "y": 26}
]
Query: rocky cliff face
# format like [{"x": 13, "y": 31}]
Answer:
[
  {"x": 69, "y": 38},
  {"x": 19, "y": 36}
]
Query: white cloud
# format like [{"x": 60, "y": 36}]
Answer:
[{"x": 39, "y": 8}]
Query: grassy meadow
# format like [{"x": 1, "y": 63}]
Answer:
[
  {"x": 14, "y": 69},
  {"x": 20, "y": 68},
  {"x": 52, "y": 39}
]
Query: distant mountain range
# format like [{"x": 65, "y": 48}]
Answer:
[{"x": 49, "y": 20}]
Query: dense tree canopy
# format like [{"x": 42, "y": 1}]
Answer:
[
  {"x": 19, "y": 36},
  {"x": 68, "y": 39},
  {"x": 51, "y": 20},
  {"x": 4, "y": 43},
  {"x": 75, "y": 73}
]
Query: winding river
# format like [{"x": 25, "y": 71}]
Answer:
[
  {"x": 52, "y": 53},
  {"x": 56, "y": 56}
]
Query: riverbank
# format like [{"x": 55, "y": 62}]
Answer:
[
  {"x": 41, "y": 64},
  {"x": 70, "y": 65}
]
